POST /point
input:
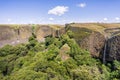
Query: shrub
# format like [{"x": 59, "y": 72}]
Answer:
[
  {"x": 49, "y": 40},
  {"x": 20, "y": 50},
  {"x": 86, "y": 73},
  {"x": 116, "y": 73},
  {"x": 6, "y": 50},
  {"x": 28, "y": 75},
  {"x": 70, "y": 34}
]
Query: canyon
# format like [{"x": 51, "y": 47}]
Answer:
[{"x": 102, "y": 40}]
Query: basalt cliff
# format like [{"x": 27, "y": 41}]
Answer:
[
  {"x": 102, "y": 40},
  {"x": 15, "y": 34}
]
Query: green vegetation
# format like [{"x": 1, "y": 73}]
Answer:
[
  {"x": 78, "y": 33},
  {"x": 42, "y": 61}
]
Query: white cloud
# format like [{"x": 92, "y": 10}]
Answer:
[
  {"x": 58, "y": 10},
  {"x": 105, "y": 19},
  {"x": 82, "y": 5},
  {"x": 117, "y": 18},
  {"x": 51, "y": 19}
]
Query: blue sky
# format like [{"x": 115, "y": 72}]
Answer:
[{"x": 58, "y": 11}]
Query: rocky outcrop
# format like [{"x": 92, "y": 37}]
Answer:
[
  {"x": 15, "y": 34},
  {"x": 6, "y": 33},
  {"x": 43, "y": 31},
  {"x": 93, "y": 43},
  {"x": 113, "y": 48},
  {"x": 90, "y": 40},
  {"x": 64, "y": 50},
  {"x": 12, "y": 33},
  {"x": 102, "y": 41}
]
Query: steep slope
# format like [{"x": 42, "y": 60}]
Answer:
[
  {"x": 15, "y": 34},
  {"x": 89, "y": 36},
  {"x": 62, "y": 59},
  {"x": 93, "y": 37}
]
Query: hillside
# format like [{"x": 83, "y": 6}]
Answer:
[
  {"x": 78, "y": 51},
  {"x": 99, "y": 27},
  {"x": 55, "y": 59},
  {"x": 94, "y": 36},
  {"x": 15, "y": 34}
]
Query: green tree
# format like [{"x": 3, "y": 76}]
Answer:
[
  {"x": 6, "y": 50},
  {"x": 116, "y": 73},
  {"x": 70, "y": 34}
]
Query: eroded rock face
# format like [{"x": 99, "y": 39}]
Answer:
[
  {"x": 113, "y": 48},
  {"x": 93, "y": 43},
  {"x": 43, "y": 31},
  {"x": 15, "y": 35},
  {"x": 89, "y": 40},
  {"x": 6, "y": 33},
  {"x": 64, "y": 50}
]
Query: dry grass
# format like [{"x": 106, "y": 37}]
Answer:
[
  {"x": 99, "y": 27},
  {"x": 91, "y": 26},
  {"x": 56, "y": 27}
]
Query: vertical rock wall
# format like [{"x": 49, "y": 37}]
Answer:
[
  {"x": 15, "y": 35},
  {"x": 113, "y": 48}
]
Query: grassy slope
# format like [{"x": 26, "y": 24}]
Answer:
[{"x": 99, "y": 27}]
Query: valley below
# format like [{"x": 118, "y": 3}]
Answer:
[{"x": 74, "y": 51}]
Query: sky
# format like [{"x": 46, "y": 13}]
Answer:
[{"x": 58, "y": 11}]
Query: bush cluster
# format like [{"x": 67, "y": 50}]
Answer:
[{"x": 41, "y": 61}]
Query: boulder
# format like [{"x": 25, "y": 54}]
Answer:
[{"x": 64, "y": 50}]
